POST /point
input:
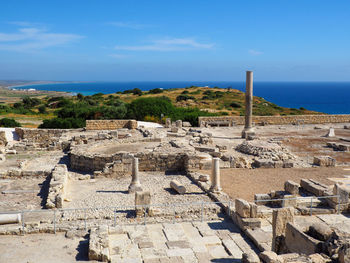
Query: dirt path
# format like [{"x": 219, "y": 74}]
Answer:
[
  {"x": 42, "y": 248},
  {"x": 244, "y": 183}
]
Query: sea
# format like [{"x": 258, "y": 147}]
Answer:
[{"x": 327, "y": 97}]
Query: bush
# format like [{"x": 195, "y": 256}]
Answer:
[
  {"x": 184, "y": 97},
  {"x": 155, "y": 91},
  {"x": 7, "y": 122},
  {"x": 235, "y": 105},
  {"x": 59, "y": 123},
  {"x": 135, "y": 91},
  {"x": 152, "y": 106},
  {"x": 30, "y": 102},
  {"x": 185, "y": 92},
  {"x": 42, "y": 109}
]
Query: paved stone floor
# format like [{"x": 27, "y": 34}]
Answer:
[{"x": 216, "y": 241}]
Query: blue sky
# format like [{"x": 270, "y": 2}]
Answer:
[{"x": 86, "y": 40}]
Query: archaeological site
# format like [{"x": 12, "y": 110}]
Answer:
[{"x": 235, "y": 189}]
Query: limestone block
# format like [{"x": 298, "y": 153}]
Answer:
[
  {"x": 142, "y": 202},
  {"x": 253, "y": 210},
  {"x": 186, "y": 124},
  {"x": 270, "y": 257},
  {"x": 313, "y": 187},
  {"x": 259, "y": 199},
  {"x": 320, "y": 231},
  {"x": 344, "y": 253},
  {"x": 179, "y": 124},
  {"x": 291, "y": 187},
  {"x": 203, "y": 178},
  {"x": 178, "y": 187},
  {"x": 299, "y": 242},
  {"x": 250, "y": 257},
  {"x": 325, "y": 161},
  {"x": 280, "y": 218},
  {"x": 242, "y": 208},
  {"x": 289, "y": 201},
  {"x": 343, "y": 191}
]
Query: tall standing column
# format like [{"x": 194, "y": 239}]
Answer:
[
  {"x": 248, "y": 128},
  {"x": 135, "y": 184},
  {"x": 215, "y": 175}
]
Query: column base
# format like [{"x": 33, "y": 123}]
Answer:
[
  {"x": 215, "y": 189},
  {"x": 248, "y": 133},
  {"x": 134, "y": 187}
]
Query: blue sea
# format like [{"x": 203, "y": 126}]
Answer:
[{"x": 327, "y": 97}]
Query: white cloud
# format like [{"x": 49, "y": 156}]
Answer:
[
  {"x": 33, "y": 38},
  {"x": 169, "y": 44},
  {"x": 128, "y": 25},
  {"x": 254, "y": 52}
]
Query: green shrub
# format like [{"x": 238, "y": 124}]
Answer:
[
  {"x": 184, "y": 97},
  {"x": 155, "y": 91},
  {"x": 185, "y": 92},
  {"x": 235, "y": 105},
  {"x": 135, "y": 91},
  {"x": 59, "y": 123},
  {"x": 152, "y": 106},
  {"x": 42, "y": 109},
  {"x": 7, "y": 122},
  {"x": 29, "y": 102}
]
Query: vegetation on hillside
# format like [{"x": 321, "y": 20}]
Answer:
[{"x": 155, "y": 105}]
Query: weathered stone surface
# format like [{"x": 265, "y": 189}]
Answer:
[
  {"x": 326, "y": 161},
  {"x": 297, "y": 241},
  {"x": 242, "y": 208},
  {"x": 142, "y": 202},
  {"x": 178, "y": 187},
  {"x": 203, "y": 178},
  {"x": 320, "y": 231},
  {"x": 330, "y": 133},
  {"x": 57, "y": 189},
  {"x": 344, "y": 253},
  {"x": 110, "y": 124},
  {"x": 260, "y": 199},
  {"x": 289, "y": 201},
  {"x": 250, "y": 258},
  {"x": 270, "y": 257},
  {"x": 280, "y": 218},
  {"x": 291, "y": 187},
  {"x": 313, "y": 186}
]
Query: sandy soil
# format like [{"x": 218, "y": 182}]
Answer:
[
  {"x": 53, "y": 248},
  {"x": 244, "y": 183}
]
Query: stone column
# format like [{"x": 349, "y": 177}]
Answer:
[
  {"x": 248, "y": 128},
  {"x": 215, "y": 176},
  {"x": 135, "y": 184},
  {"x": 179, "y": 124},
  {"x": 167, "y": 123}
]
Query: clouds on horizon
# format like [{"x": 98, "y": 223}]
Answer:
[
  {"x": 31, "y": 38},
  {"x": 168, "y": 44}
]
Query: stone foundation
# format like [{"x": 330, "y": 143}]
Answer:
[
  {"x": 276, "y": 120},
  {"x": 110, "y": 124}
]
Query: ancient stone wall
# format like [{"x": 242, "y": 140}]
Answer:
[
  {"x": 120, "y": 163},
  {"x": 49, "y": 139},
  {"x": 289, "y": 119},
  {"x": 110, "y": 124}
]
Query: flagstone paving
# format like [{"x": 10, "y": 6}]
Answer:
[{"x": 179, "y": 242}]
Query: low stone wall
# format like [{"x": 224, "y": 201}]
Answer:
[
  {"x": 58, "y": 182},
  {"x": 120, "y": 162},
  {"x": 276, "y": 120},
  {"x": 49, "y": 139},
  {"x": 110, "y": 124}
]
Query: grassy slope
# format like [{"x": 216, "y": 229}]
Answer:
[
  {"x": 222, "y": 104},
  {"x": 219, "y": 105}
]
